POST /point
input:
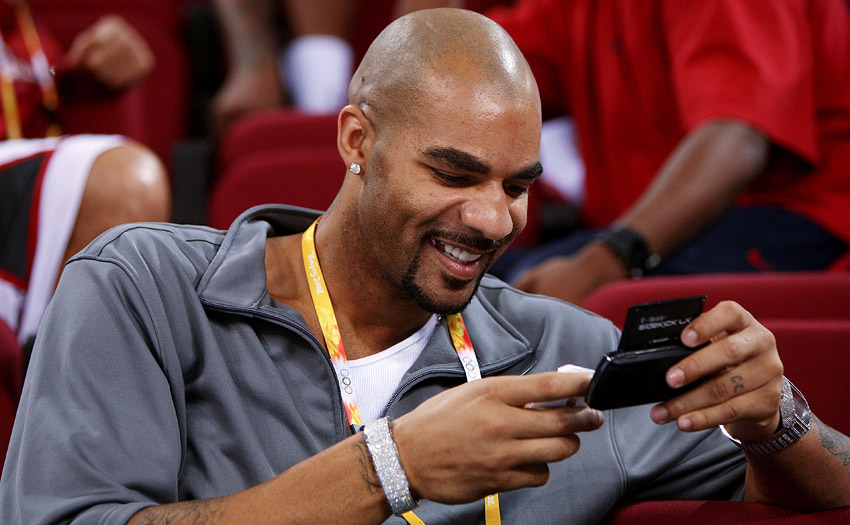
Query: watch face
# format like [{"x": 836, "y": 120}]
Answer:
[
  {"x": 801, "y": 407},
  {"x": 793, "y": 406}
]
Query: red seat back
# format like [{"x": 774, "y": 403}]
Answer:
[
  {"x": 10, "y": 383},
  {"x": 307, "y": 177},
  {"x": 816, "y": 355},
  {"x": 815, "y": 295},
  {"x": 275, "y": 130},
  {"x": 809, "y": 314}
]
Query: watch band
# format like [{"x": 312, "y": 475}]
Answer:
[
  {"x": 631, "y": 248},
  {"x": 796, "y": 421}
]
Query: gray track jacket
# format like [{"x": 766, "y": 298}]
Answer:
[{"x": 164, "y": 371}]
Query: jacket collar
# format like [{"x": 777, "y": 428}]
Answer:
[{"x": 236, "y": 279}]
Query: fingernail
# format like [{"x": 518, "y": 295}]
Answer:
[
  {"x": 600, "y": 418},
  {"x": 684, "y": 424},
  {"x": 659, "y": 414},
  {"x": 689, "y": 337},
  {"x": 676, "y": 377}
]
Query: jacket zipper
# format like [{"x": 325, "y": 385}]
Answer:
[
  {"x": 317, "y": 346},
  {"x": 448, "y": 372},
  {"x": 279, "y": 320}
]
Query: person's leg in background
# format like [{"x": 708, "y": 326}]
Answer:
[
  {"x": 318, "y": 61},
  {"x": 756, "y": 239}
]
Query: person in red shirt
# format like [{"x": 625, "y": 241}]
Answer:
[
  {"x": 715, "y": 135},
  {"x": 58, "y": 192}
]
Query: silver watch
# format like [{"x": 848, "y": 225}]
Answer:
[{"x": 796, "y": 421}]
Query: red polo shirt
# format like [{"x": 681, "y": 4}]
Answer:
[{"x": 638, "y": 75}]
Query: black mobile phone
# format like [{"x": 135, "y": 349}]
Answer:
[{"x": 635, "y": 374}]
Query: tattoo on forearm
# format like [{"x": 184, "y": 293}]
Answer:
[
  {"x": 738, "y": 383},
  {"x": 197, "y": 511},
  {"x": 834, "y": 442},
  {"x": 368, "y": 470}
]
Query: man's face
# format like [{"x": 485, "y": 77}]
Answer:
[{"x": 443, "y": 198}]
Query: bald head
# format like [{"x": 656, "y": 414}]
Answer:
[{"x": 434, "y": 49}]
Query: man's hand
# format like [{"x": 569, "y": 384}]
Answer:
[
  {"x": 113, "y": 52},
  {"x": 573, "y": 278},
  {"x": 477, "y": 439},
  {"x": 743, "y": 375}
]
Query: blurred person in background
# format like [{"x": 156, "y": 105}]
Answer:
[
  {"x": 715, "y": 135},
  {"x": 307, "y": 65},
  {"x": 58, "y": 192}
]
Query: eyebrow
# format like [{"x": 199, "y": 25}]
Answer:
[{"x": 464, "y": 161}]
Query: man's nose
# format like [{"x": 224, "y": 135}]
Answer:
[{"x": 487, "y": 210}]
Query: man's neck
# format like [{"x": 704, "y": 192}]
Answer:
[{"x": 372, "y": 314}]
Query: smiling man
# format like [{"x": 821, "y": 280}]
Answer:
[{"x": 359, "y": 366}]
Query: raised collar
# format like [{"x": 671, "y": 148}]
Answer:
[{"x": 236, "y": 277}]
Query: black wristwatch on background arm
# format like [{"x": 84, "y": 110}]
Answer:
[{"x": 631, "y": 248}]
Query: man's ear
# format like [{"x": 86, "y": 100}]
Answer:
[{"x": 355, "y": 136}]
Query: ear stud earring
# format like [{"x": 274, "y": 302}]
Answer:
[{"x": 354, "y": 168}]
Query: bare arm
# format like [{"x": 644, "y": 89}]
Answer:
[
  {"x": 459, "y": 446},
  {"x": 812, "y": 474},
  {"x": 700, "y": 180}
]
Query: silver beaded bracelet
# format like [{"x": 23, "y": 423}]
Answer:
[{"x": 379, "y": 441}]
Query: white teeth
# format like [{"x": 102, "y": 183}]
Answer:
[{"x": 459, "y": 254}]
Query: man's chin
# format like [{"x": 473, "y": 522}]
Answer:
[
  {"x": 444, "y": 307},
  {"x": 455, "y": 299}
]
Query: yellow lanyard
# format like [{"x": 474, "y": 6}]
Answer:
[
  {"x": 40, "y": 68},
  {"x": 336, "y": 350}
]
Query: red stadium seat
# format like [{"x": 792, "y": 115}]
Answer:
[
  {"x": 10, "y": 383},
  {"x": 809, "y": 314},
  {"x": 815, "y": 354},
  {"x": 307, "y": 177},
  {"x": 806, "y": 295},
  {"x": 275, "y": 130}
]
